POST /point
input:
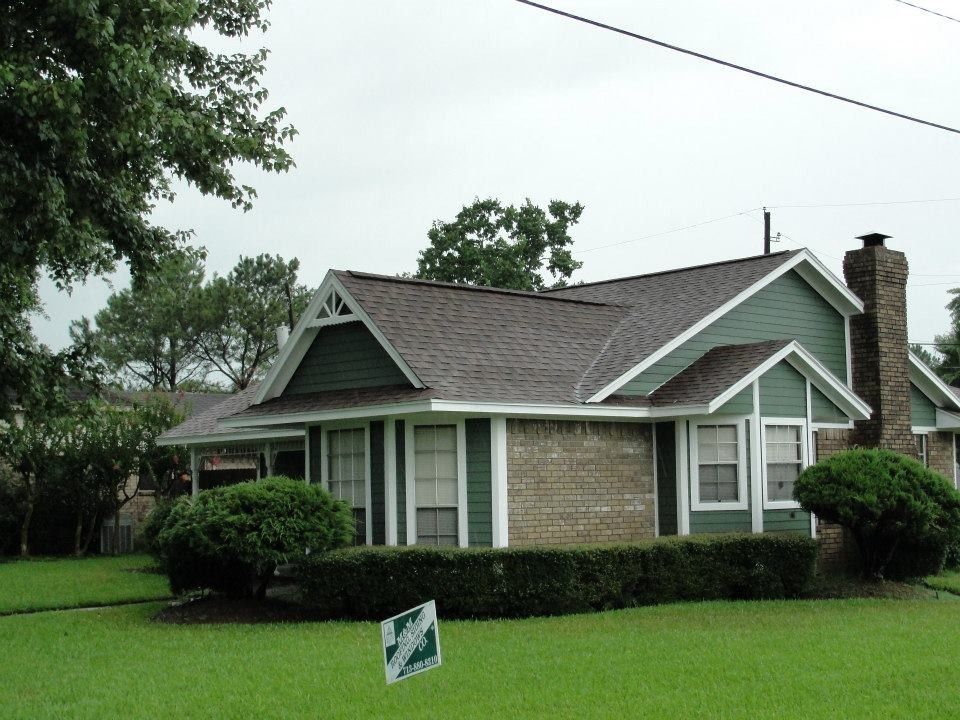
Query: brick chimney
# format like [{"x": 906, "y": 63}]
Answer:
[{"x": 878, "y": 340}]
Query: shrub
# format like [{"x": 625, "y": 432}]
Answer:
[
  {"x": 148, "y": 538},
  {"x": 374, "y": 583},
  {"x": 231, "y": 538},
  {"x": 901, "y": 514}
]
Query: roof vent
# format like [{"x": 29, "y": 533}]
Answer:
[{"x": 874, "y": 239}]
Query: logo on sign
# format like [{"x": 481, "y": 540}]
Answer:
[{"x": 411, "y": 642}]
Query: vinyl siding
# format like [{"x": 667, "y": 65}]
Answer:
[
  {"x": 783, "y": 392},
  {"x": 923, "y": 413},
  {"x": 823, "y": 409},
  {"x": 401, "y": 485},
  {"x": 479, "y": 484},
  {"x": 343, "y": 357},
  {"x": 316, "y": 454},
  {"x": 739, "y": 404},
  {"x": 786, "y": 521},
  {"x": 666, "y": 457},
  {"x": 787, "y": 308},
  {"x": 377, "y": 487}
]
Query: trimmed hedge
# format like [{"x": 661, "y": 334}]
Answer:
[{"x": 374, "y": 583}]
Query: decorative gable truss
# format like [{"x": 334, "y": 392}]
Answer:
[{"x": 331, "y": 305}]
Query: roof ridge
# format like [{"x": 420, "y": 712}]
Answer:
[
  {"x": 534, "y": 294},
  {"x": 674, "y": 270}
]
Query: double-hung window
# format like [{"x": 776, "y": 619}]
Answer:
[
  {"x": 784, "y": 450},
  {"x": 347, "y": 476},
  {"x": 719, "y": 464},
  {"x": 435, "y": 474}
]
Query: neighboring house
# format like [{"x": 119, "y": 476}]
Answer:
[{"x": 671, "y": 403}]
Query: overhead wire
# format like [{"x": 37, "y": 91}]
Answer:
[{"x": 734, "y": 66}]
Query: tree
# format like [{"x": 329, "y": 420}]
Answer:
[
  {"x": 505, "y": 247},
  {"x": 103, "y": 107},
  {"x": 241, "y": 312},
  {"x": 889, "y": 502},
  {"x": 149, "y": 332}
]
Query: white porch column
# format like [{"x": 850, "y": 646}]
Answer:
[
  {"x": 194, "y": 472},
  {"x": 756, "y": 464},
  {"x": 268, "y": 454},
  {"x": 498, "y": 466},
  {"x": 390, "y": 478}
]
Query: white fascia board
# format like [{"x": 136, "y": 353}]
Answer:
[
  {"x": 570, "y": 412},
  {"x": 814, "y": 272},
  {"x": 813, "y": 370},
  {"x": 241, "y": 436},
  {"x": 947, "y": 420},
  {"x": 306, "y": 329},
  {"x": 930, "y": 385}
]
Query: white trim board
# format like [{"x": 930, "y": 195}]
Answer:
[
  {"x": 241, "y": 436},
  {"x": 932, "y": 386},
  {"x": 814, "y": 272},
  {"x": 305, "y": 331}
]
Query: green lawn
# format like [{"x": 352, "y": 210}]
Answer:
[
  {"x": 949, "y": 581},
  {"x": 63, "y": 583},
  {"x": 804, "y": 659}
]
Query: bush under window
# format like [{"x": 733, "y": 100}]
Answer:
[{"x": 231, "y": 539}]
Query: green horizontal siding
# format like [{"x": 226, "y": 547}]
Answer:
[
  {"x": 378, "y": 513},
  {"x": 788, "y": 308},
  {"x": 720, "y": 521},
  {"x": 783, "y": 392},
  {"x": 923, "y": 413},
  {"x": 666, "y": 478},
  {"x": 316, "y": 455},
  {"x": 479, "y": 484},
  {"x": 739, "y": 404},
  {"x": 823, "y": 409},
  {"x": 343, "y": 357},
  {"x": 401, "y": 485},
  {"x": 786, "y": 521}
]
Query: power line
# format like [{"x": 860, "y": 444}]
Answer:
[
  {"x": 864, "y": 204},
  {"x": 927, "y": 10},
  {"x": 665, "y": 232},
  {"x": 741, "y": 68}
]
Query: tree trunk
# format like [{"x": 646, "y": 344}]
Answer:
[
  {"x": 25, "y": 529},
  {"x": 89, "y": 538},
  {"x": 116, "y": 532},
  {"x": 78, "y": 533}
]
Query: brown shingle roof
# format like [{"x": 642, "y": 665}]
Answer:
[
  {"x": 207, "y": 422},
  {"x": 715, "y": 371}
]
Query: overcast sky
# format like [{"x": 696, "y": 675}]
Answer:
[{"x": 407, "y": 110}]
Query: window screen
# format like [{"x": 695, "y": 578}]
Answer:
[
  {"x": 435, "y": 470},
  {"x": 784, "y": 451},
  {"x": 717, "y": 458},
  {"x": 347, "y": 474}
]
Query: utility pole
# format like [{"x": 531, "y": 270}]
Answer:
[{"x": 766, "y": 231}]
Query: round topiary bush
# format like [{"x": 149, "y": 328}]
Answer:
[
  {"x": 231, "y": 539},
  {"x": 902, "y": 515}
]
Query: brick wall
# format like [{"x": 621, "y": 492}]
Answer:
[
  {"x": 940, "y": 454},
  {"x": 837, "y": 548},
  {"x": 878, "y": 340},
  {"x": 574, "y": 482}
]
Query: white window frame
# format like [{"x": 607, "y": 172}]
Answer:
[
  {"x": 804, "y": 458},
  {"x": 925, "y": 434},
  {"x": 411, "y": 422},
  {"x": 325, "y": 428},
  {"x": 739, "y": 422}
]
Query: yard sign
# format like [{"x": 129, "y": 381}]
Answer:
[{"x": 411, "y": 642}]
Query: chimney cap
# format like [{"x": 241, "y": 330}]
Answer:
[{"x": 873, "y": 239}]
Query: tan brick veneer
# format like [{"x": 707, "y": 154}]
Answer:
[{"x": 574, "y": 482}]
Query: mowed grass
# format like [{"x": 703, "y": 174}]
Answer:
[
  {"x": 949, "y": 581},
  {"x": 804, "y": 659},
  {"x": 62, "y": 583}
]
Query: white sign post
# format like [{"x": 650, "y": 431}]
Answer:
[{"x": 411, "y": 642}]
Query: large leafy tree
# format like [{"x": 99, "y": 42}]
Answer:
[
  {"x": 148, "y": 333},
  {"x": 241, "y": 312},
  {"x": 103, "y": 106},
  {"x": 503, "y": 246},
  {"x": 948, "y": 344}
]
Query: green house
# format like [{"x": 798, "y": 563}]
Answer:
[{"x": 677, "y": 402}]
